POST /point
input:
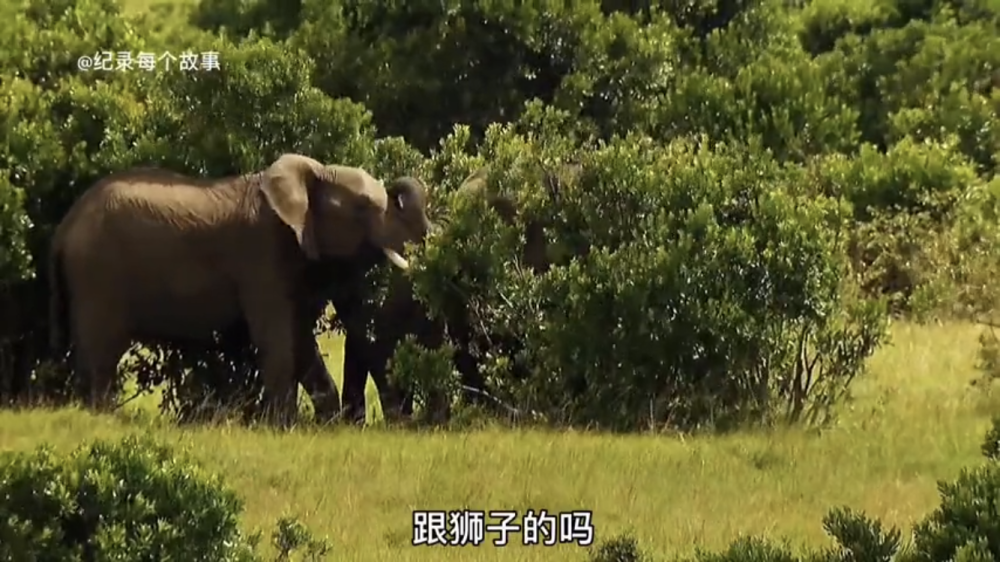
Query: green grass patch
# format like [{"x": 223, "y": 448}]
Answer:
[{"x": 915, "y": 420}]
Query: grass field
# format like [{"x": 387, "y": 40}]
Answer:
[{"x": 915, "y": 420}]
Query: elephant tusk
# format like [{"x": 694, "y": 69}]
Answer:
[{"x": 396, "y": 259}]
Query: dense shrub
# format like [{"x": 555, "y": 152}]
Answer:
[
  {"x": 966, "y": 521},
  {"x": 808, "y": 121},
  {"x": 928, "y": 79},
  {"x": 703, "y": 286},
  {"x": 621, "y": 548},
  {"x": 131, "y": 500},
  {"x": 55, "y": 121},
  {"x": 904, "y": 201},
  {"x": 440, "y": 63},
  {"x": 966, "y": 280}
]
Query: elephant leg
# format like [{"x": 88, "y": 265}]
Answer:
[
  {"x": 397, "y": 399},
  {"x": 438, "y": 406},
  {"x": 316, "y": 379},
  {"x": 402, "y": 316},
  {"x": 271, "y": 324},
  {"x": 346, "y": 299},
  {"x": 468, "y": 368},
  {"x": 465, "y": 362},
  {"x": 355, "y": 375},
  {"x": 390, "y": 394},
  {"x": 310, "y": 369},
  {"x": 100, "y": 342}
]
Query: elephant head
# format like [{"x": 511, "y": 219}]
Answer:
[
  {"x": 334, "y": 210},
  {"x": 535, "y": 251}
]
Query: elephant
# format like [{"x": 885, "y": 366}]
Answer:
[
  {"x": 402, "y": 314},
  {"x": 152, "y": 254}
]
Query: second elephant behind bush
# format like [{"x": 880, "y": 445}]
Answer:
[{"x": 402, "y": 314}]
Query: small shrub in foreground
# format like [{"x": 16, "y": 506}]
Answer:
[
  {"x": 128, "y": 501},
  {"x": 991, "y": 443},
  {"x": 131, "y": 500},
  {"x": 620, "y": 548},
  {"x": 967, "y": 523}
]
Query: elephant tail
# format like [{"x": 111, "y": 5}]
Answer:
[{"x": 57, "y": 300}]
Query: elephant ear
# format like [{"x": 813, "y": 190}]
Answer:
[
  {"x": 286, "y": 188},
  {"x": 475, "y": 182},
  {"x": 476, "y": 185}
]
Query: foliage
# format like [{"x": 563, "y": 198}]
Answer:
[
  {"x": 988, "y": 358},
  {"x": 620, "y": 548},
  {"x": 131, "y": 500},
  {"x": 991, "y": 443},
  {"x": 290, "y": 535},
  {"x": 134, "y": 499},
  {"x": 965, "y": 524},
  {"x": 905, "y": 200},
  {"x": 759, "y": 182},
  {"x": 428, "y": 371},
  {"x": 705, "y": 289},
  {"x": 856, "y": 536},
  {"x": 859, "y": 537}
]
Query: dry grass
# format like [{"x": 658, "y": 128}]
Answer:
[{"x": 915, "y": 420}]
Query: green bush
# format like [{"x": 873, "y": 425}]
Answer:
[
  {"x": 429, "y": 372},
  {"x": 856, "y": 538},
  {"x": 239, "y": 18},
  {"x": 15, "y": 261},
  {"x": 131, "y": 500},
  {"x": 991, "y": 443},
  {"x": 824, "y": 22},
  {"x": 56, "y": 121},
  {"x": 806, "y": 122},
  {"x": 927, "y": 79},
  {"x": 905, "y": 201},
  {"x": 621, "y": 548},
  {"x": 440, "y": 63},
  {"x": 698, "y": 270},
  {"x": 969, "y": 246},
  {"x": 966, "y": 525}
]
